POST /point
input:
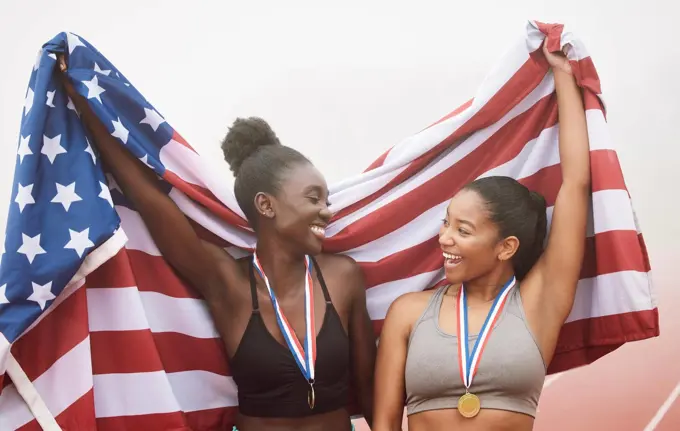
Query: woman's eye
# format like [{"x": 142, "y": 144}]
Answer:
[
  {"x": 445, "y": 222},
  {"x": 314, "y": 200},
  {"x": 463, "y": 232}
]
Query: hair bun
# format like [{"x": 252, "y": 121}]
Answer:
[{"x": 245, "y": 137}]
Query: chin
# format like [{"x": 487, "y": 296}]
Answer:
[{"x": 313, "y": 247}]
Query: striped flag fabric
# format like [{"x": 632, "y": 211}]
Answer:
[{"x": 98, "y": 332}]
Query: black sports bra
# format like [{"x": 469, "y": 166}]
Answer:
[{"x": 269, "y": 381}]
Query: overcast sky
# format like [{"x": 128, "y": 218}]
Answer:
[{"x": 343, "y": 82}]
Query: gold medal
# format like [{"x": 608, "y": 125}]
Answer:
[
  {"x": 311, "y": 398},
  {"x": 469, "y": 405}
]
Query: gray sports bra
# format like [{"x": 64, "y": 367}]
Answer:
[{"x": 511, "y": 370}]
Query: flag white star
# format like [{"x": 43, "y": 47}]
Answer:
[
  {"x": 24, "y": 196},
  {"x": 30, "y": 247},
  {"x": 50, "y": 99},
  {"x": 41, "y": 294},
  {"x": 152, "y": 118},
  {"x": 66, "y": 195},
  {"x": 53, "y": 56},
  {"x": 79, "y": 241},
  {"x": 52, "y": 147},
  {"x": 105, "y": 193},
  {"x": 90, "y": 151},
  {"x": 37, "y": 59},
  {"x": 71, "y": 106},
  {"x": 93, "y": 89},
  {"x": 145, "y": 160},
  {"x": 3, "y": 294},
  {"x": 98, "y": 70},
  {"x": 28, "y": 102},
  {"x": 119, "y": 131},
  {"x": 24, "y": 148},
  {"x": 73, "y": 42},
  {"x": 126, "y": 84}
]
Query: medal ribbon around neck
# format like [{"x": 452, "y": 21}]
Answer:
[
  {"x": 305, "y": 357},
  {"x": 470, "y": 361}
]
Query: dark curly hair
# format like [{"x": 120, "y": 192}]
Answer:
[
  {"x": 258, "y": 161},
  {"x": 518, "y": 212}
]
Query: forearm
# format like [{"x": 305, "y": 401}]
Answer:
[{"x": 573, "y": 132}]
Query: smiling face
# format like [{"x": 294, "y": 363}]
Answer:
[
  {"x": 469, "y": 239},
  {"x": 300, "y": 208}
]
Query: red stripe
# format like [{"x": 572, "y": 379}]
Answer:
[
  {"x": 142, "y": 351},
  {"x": 203, "y": 420},
  {"x": 59, "y": 332},
  {"x": 206, "y": 198},
  {"x": 459, "y": 307},
  {"x": 179, "y": 139}
]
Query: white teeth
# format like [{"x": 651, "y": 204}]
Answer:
[
  {"x": 451, "y": 256},
  {"x": 319, "y": 230}
]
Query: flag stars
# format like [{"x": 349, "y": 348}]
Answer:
[
  {"x": 24, "y": 196},
  {"x": 52, "y": 147},
  {"x": 80, "y": 241},
  {"x": 90, "y": 151},
  {"x": 50, "y": 99},
  {"x": 145, "y": 160},
  {"x": 152, "y": 118},
  {"x": 28, "y": 101},
  {"x": 93, "y": 89},
  {"x": 66, "y": 195},
  {"x": 24, "y": 148},
  {"x": 3, "y": 294},
  {"x": 97, "y": 69},
  {"x": 41, "y": 294},
  {"x": 119, "y": 131},
  {"x": 30, "y": 247},
  {"x": 113, "y": 184},
  {"x": 73, "y": 42},
  {"x": 105, "y": 193}
]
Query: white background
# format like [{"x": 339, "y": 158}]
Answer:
[{"x": 343, "y": 81}]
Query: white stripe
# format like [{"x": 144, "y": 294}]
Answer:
[
  {"x": 127, "y": 394},
  {"x": 66, "y": 381},
  {"x": 651, "y": 426},
  {"x": 611, "y": 294},
  {"x": 128, "y": 309},
  {"x": 604, "y": 295}
]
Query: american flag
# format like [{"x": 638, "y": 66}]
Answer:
[{"x": 98, "y": 332}]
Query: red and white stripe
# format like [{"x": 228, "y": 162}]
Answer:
[{"x": 133, "y": 347}]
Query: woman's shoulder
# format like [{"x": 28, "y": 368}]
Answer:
[{"x": 412, "y": 303}]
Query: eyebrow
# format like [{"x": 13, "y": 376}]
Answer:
[{"x": 462, "y": 221}]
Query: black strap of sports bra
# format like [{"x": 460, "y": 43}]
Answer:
[
  {"x": 326, "y": 295},
  {"x": 253, "y": 286}
]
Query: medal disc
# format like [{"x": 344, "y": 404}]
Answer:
[{"x": 469, "y": 405}]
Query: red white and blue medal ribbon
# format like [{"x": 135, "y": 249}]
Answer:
[
  {"x": 305, "y": 357},
  {"x": 469, "y": 361}
]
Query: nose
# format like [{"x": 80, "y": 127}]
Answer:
[
  {"x": 325, "y": 214},
  {"x": 445, "y": 238}
]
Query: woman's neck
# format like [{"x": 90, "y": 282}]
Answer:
[
  {"x": 486, "y": 288},
  {"x": 284, "y": 268}
]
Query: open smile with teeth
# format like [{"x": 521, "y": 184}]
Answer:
[
  {"x": 318, "y": 231},
  {"x": 452, "y": 259}
]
